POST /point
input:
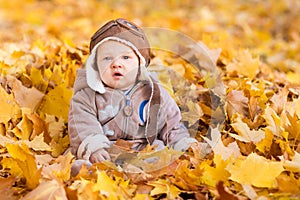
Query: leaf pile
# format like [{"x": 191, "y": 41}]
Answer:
[{"x": 249, "y": 113}]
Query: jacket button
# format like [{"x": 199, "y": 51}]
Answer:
[{"x": 128, "y": 110}]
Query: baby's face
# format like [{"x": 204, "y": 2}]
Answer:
[{"x": 118, "y": 65}]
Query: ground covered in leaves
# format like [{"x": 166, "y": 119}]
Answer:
[{"x": 237, "y": 85}]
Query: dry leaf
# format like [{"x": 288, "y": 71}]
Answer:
[
  {"x": 219, "y": 148},
  {"x": 8, "y": 107},
  {"x": 265, "y": 171},
  {"x": 236, "y": 102},
  {"x": 48, "y": 190},
  {"x": 245, "y": 64},
  {"x": 22, "y": 162},
  {"x": 7, "y": 190},
  {"x": 212, "y": 174},
  {"x": 25, "y": 97},
  {"x": 57, "y": 102},
  {"x": 163, "y": 186},
  {"x": 244, "y": 132}
]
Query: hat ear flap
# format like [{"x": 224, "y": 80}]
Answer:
[{"x": 93, "y": 78}]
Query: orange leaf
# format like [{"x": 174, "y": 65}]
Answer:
[{"x": 25, "y": 160}]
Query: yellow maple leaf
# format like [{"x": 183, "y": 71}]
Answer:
[
  {"x": 23, "y": 129},
  {"x": 244, "y": 132},
  {"x": 213, "y": 174},
  {"x": 57, "y": 102},
  {"x": 245, "y": 64},
  {"x": 163, "y": 186},
  {"x": 114, "y": 189},
  {"x": 255, "y": 170},
  {"x": 265, "y": 144},
  {"x": 57, "y": 75},
  {"x": 187, "y": 177},
  {"x": 25, "y": 161},
  {"x": 8, "y": 107},
  {"x": 38, "y": 80},
  {"x": 84, "y": 189},
  {"x": 59, "y": 145}
]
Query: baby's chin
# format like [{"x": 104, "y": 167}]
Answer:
[{"x": 119, "y": 86}]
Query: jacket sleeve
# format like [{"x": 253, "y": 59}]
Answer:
[
  {"x": 171, "y": 130},
  {"x": 85, "y": 131}
]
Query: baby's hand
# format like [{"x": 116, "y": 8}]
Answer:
[{"x": 99, "y": 155}]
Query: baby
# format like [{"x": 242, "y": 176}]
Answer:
[{"x": 115, "y": 97}]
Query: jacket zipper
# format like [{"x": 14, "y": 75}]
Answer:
[{"x": 128, "y": 106}]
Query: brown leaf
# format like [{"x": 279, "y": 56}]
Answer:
[
  {"x": 25, "y": 97},
  {"x": 224, "y": 194},
  {"x": 6, "y": 188},
  {"x": 48, "y": 190},
  {"x": 236, "y": 102}
]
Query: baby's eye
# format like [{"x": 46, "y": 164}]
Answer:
[
  {"x": 125, "y": 57},
  {"x": 107, "y": 58}
]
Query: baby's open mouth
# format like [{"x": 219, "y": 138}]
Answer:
[{"x": 117, "y": 74}]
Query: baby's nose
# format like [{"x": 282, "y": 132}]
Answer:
[{"x": 116, "y": 63}]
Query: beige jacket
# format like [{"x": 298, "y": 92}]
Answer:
[{"x": 97, "y": 120}]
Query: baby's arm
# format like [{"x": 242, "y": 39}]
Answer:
[{"x": 85, "y": 131}]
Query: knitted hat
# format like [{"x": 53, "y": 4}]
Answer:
[{"x": 126, "y": 32}]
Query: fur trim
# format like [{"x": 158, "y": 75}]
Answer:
[{"x": 94, "y": 80}]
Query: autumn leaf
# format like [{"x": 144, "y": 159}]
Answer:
[
  {"x": 293, "y": 164},
  {"x": 273, "y": 122},
  {"x": 114, "y": 189},
  {"x": 244, "y": 132},
  {"x": 188, "y": 178},
  {"x": 245, "y": 64},
  {"x": 57, "y": 102},
  {"x": 38, "y": 144},
  {"x": 253, "y": 54},
  {"x": 163, "y": 186},
  {"x": 38, "y": 80},
  {"x": 219, "y": 148},
  {"x": 60, "y": 169},
  {"x": 218, "y": 172},
  {"x": 236, "y": 102},
  {"x": 193, "y": 114},
  {"x": 24, "y": 128},
  {"x": 7, "y": 190},
  {"x": 265, "y": 171},
  {"x": 25, "y": 97},
  {"x": 50, "y": 189},
  {"x": 22, "y": 162},
  {"x": 8, "y": 107},
  {"x": 223, "y": 194}
]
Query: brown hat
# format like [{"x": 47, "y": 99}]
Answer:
[{"x": 126, "y": 32}]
